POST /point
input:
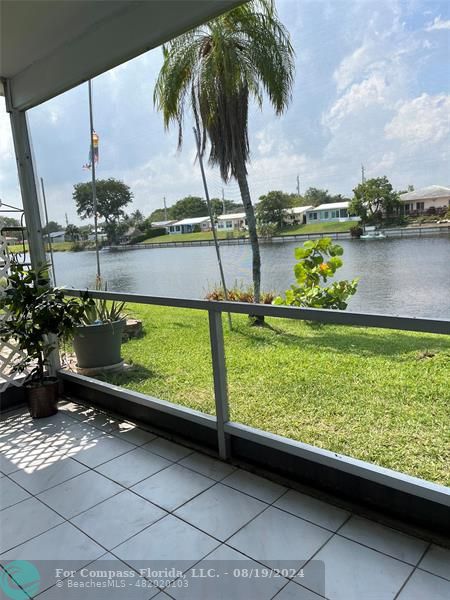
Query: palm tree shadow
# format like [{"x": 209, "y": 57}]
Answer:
[{"x": 352, "y": 340}]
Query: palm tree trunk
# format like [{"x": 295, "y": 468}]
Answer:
[{"x": 251, "y": 223}]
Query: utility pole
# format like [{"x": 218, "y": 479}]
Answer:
[
  {"x": 165, "y": 209},
  {"x": 67, "y": 220},
  {"x": 223, "y": 203},
  {"x": 363, "y": 175},
  {"x": 298, "y": 185}
]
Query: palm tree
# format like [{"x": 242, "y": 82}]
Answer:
[{"x": 217, "y": 68}]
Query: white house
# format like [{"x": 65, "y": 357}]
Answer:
[
  {"x": 335, "y": 211},
  {"x": 56, "y": 236},
  {"x": 431, "y": 199},
  {"x": 296, "y": 215},
  {"x": 101, "y": 236},
  {"x": 231, "y": 222},
  {"x": 190, "y": 225},
  {"x": 162, "y": 224}
]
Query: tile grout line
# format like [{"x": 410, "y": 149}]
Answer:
[
  {"x": 215, "y": 482},
  {"x": 412, "y": 572}
]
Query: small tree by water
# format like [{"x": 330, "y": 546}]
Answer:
[{"x": 318, "y": 261}]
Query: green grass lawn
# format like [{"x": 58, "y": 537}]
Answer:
[
  {"x": 317, "y": 228},
  {"x": 194, "y": 237},
  {"x": 378, "y": 395},
  {"x": 57, "y": 247}
]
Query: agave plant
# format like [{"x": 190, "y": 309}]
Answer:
[{"x": 103, "y": 311}]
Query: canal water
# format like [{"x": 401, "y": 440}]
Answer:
[{"x": 408, "y": 277}]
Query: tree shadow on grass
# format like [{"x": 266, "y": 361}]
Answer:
[
  {"x": 131, "y": 373},
  {"x": 353, "y": 340}
]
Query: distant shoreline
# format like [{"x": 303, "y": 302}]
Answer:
[{"x": 397, "y": 232}]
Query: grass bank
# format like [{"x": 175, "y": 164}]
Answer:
[
  {"x": 194, "y": 237},
  {"x": 295, "y": 230},
  {"x": 378, "y": 395},
  {"x": 317, "y": 228},
  {"x": 57, "y": 247}
]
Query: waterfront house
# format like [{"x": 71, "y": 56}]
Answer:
[
  {"x": 434, "y": 199},
  {"x": 162, "y": 224},
  {"x": 232, "y": 222},
  {"x": 130, "y": 235},
  {"x": 55, "y": 237},
  {"x": 191, "y": 225},
  {"x": 335, "y": 211},
  {"x": 296, "y": 215}
]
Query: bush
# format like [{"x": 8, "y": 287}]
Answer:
[
  {"x": 239, "y": 294},
  {"x": 311, "y": 270},
  {"x": 356, "y": 231},
  {"x": 150, "y": 233},
  {"x": 267, "y": 230}
]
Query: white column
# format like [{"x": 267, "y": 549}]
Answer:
[
  {"x": 28, "y": 185},
  {"x": 30, "y": 195}
]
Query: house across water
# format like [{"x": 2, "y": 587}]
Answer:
[
  {"x": 191, "y": 225},
  {"x": 434, "y": 199},
  {"x": 231, "y": 222},
  {"x": 335, "y": 211}
]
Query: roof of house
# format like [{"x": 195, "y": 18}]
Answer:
[
  {"x": 298, "y": 210},
  {"x": 56, "y": 234},
  {"x": 231, "y": 216},
  {"x": 162, "y": 223},
  {"x": 331, "y": 206},
  {"x": 432, "y": 191},
  {"x": 191, "y": 221}
]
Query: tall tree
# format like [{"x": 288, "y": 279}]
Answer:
[
  {"x": 112, "y": 197},
  {"x": 218, "y": 68},
  {"x": 73, "y": 232},
  {"x": 52, "y": 227},
  {"x": 373, "y": 198},
  {"x": 272, "y": 207},
  {"x": 191, "y": 206},
  {"x": 217, "y": 205},
  {"x": 316, "y": 196}
]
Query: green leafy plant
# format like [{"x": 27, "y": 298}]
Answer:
[
  {"x": 36, "y": 316},
  {"x": 318, "y": 261}
]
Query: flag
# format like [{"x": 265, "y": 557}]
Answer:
[{"x": 95, "y": 140}]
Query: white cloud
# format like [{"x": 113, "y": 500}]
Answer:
[
  {"x": 437, "y": 24},
  {"x": 420, "y": 120},
  {"x": 371, "y": 91}
]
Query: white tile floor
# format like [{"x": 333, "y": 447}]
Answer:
[{"x": 87, "y": 493}]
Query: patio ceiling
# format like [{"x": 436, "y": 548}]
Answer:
[{"x": 48, "y": 47}]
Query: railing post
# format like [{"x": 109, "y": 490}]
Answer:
[{"x": 220, "y": 380}]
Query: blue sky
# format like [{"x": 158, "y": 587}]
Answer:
[{"x": 372, "y": 87}]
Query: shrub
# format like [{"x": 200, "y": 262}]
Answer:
[
  {"x": 356, "y": 231},
  {"x": 239, "y": 294},
  {"x": 311, "y": 270},
  {"x": 267, "y": 230}
]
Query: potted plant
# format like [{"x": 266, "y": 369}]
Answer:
[
  {"x": 35, "y": 317},
  {"x": 97, "y": 338}
]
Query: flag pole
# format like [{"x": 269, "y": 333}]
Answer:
[
  {"x": 213, "y": 225},
  {"x": 44, "y": 199},
  {"x": 94, "y": 188}
]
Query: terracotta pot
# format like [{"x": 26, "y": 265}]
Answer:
[{"x": 42, "y": 398}]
